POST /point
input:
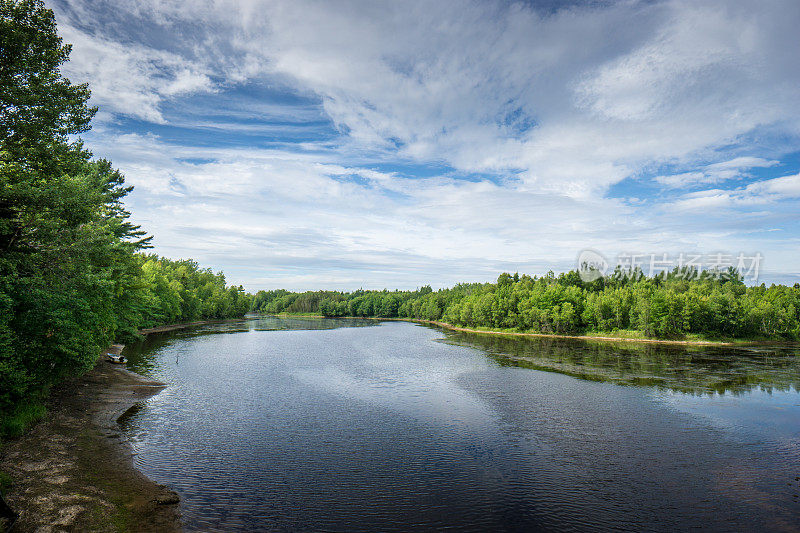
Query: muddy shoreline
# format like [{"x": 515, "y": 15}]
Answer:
[{"x": 73, "y": 471}]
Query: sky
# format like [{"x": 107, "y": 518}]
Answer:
[{"x": 308, "y": 145}]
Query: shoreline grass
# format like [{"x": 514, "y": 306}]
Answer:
[
  {"x": 607, "y": 336},
  {"x": 25, "y": 414}
]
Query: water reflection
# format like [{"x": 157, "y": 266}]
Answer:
[
  {"x": 690, "y": 369},
  {"x": 140, "y": 358},
  {"x": 336, "y": 425}
]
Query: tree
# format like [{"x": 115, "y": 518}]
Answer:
[
  {"x": 71, "y": 278},
  {"x": 66, "y": 245},
  {"x": 39, "y": 106}
]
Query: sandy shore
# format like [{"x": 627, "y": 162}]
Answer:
[{"x": 73, "y": 471}]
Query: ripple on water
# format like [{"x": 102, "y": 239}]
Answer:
[{"x": 297, "y": 426}]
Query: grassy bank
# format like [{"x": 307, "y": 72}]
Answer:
[
  {"x": 15, "y": 423},
  {"x": 609, "y": 336}
]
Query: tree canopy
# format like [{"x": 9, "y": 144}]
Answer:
[{"x": 71, "y": 276}]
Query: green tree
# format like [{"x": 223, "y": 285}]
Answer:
[{"x": 71, "y": 280}]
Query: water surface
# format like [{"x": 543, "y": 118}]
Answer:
[{"x": 350, "y": 425}]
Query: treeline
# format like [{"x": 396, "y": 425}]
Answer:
[
  {"x": 670, "y": 305},
  {"x": 72, "y": 278},
  {"x": 181, "y": 291}
]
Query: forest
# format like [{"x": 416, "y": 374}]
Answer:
[
  {"x": 683, "y": 303},
  {"x": 73, "y": 275}
]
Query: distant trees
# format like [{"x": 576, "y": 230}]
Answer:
[
  {"x": 181, "y": 291},
  {"x": 671, "y": 305}
]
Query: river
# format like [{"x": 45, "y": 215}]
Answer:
[{"x": 351, "y": 425}]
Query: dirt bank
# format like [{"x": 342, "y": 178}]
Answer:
[{"x": 73, "y": 471}]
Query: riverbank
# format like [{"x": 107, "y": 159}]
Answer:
[
  {"x": 602, "y": 338},
  {"x": 73, "y": 471},
  {"x": 599, "y": 337}
]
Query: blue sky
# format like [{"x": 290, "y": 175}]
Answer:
[{"x": 340, "y": 145}]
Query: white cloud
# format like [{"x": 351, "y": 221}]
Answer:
[
  {"x": 298, "y": 220},
  {"x": 786, "y": 187},
  {"x": 691, "y": 79},
  {"x": 489, "y": 87},
  {"x": 716, "y": 172},
  {"x": 757, "y": 193},
  {"x": 129, "y": 79},
  {"x": 743, "y": 163},
  {"x": 685, "y": 179},
  {"x": 554, "y": 107}
]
